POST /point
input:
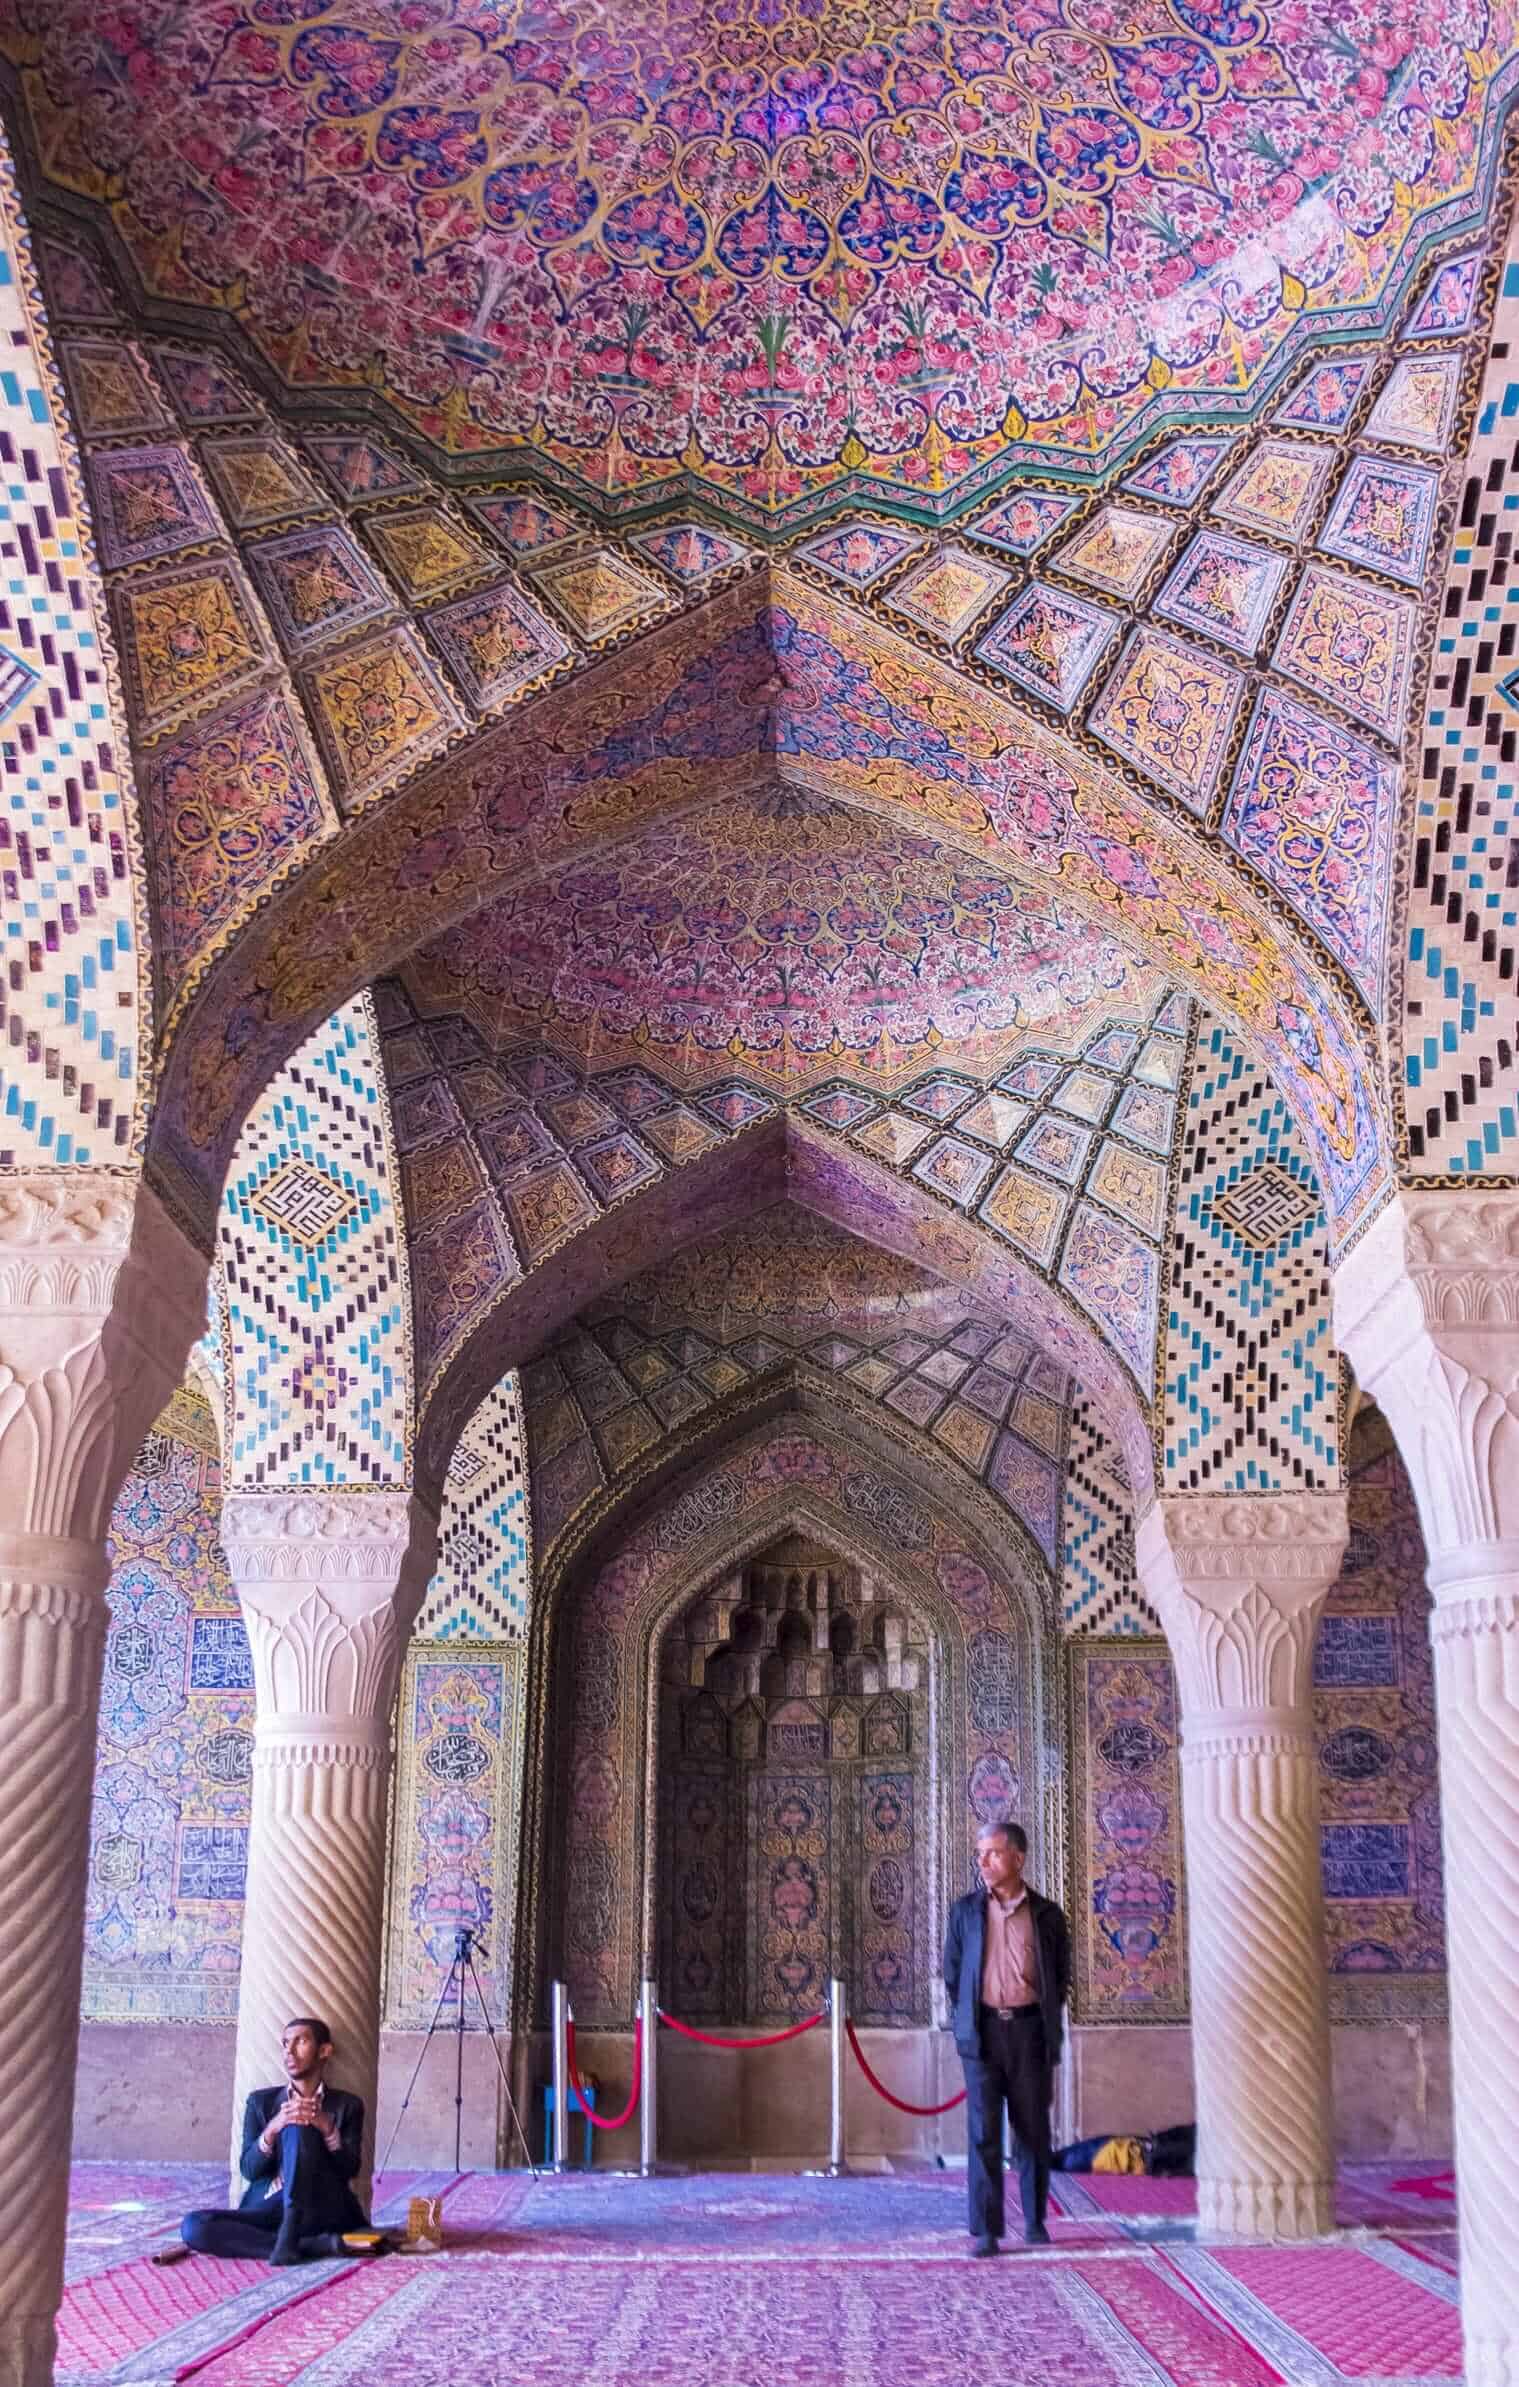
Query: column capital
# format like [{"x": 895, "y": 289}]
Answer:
[{"x": 1238, "y": 1580}]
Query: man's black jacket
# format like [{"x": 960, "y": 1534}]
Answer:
[
  {"x": 965, "y": 1949},
  {"x": 346, "y": 2111}
]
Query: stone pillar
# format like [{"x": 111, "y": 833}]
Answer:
[
  {"x": 330, "y": 1585},
  {"x": 100, "y": 1300},
  {"x": 1427, "y": 1311},
  {"x": 1238, "y": 1583}
]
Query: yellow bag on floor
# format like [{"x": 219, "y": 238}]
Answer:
[{"x": 1119, "y": 2155}]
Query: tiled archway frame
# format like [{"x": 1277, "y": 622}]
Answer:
[{"x": 595, "y": 1648}]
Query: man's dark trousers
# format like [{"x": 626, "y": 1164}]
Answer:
[
  {"x": 312, "y": 2190},
  {"x": 1012, "y": 2068}
]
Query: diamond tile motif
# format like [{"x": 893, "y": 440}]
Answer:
[
  {"x": 1116, "y": 549},
  {"x": 1450, "y": 303},
  {"x": 616, "y": 1165},
  {"x": 1384, "y": 516},
  {"x": 1057, "y": 1146},
  {"x": 1148, "y": 1116},
  {"x": 499, "y": 647},
  {"x": 113, "y": 396},
  {"x": 600, "y": 595},
  {"x": 427, "y": 551},
  {"x": 1134, "y": 1187},
  {"x": 1178, "y": 471},
  {"x": 1265, "y": 1206},
  {"x": 525, "y": 525},
  {"x": 1022, "y": 524},
  {"x": 1169, "y": 709},
  {"x": 188, "y": 640},
  {"x": 303, "y": 1203},
  {"x": 1417, "y": 407},
  {"x": 839, "y": 1106},
  {"x": 734, "y": 1106},
  {"x": 1050, "y": 643},
  {"x": 1113, "y": 1047},
  {"x": 859, "y": 555},
  {"x": 937, "y": 1097},
  {"x": 1325, "y": 398},
  {"x": 893, "y": 1138},
  {"x": 996, "y": 1119},
  {"x": 954, "y": 1169},
  {"x": 359, "y": 468},
  {"x": 259, "y": 481},
  {"x": 1085, "y": 1095},
  {"x": 689, "y": 551},
  {"x": 1352, "y": 642},
  {"x": 1030, "y": 1077},
  {"x": 1224, "y": 588},
  {"x": 316, "y": 585},
  {"x": 380, "y": 710},
  {"x": 1277, "y": 488},
  {"x": 1115, "y": 1275},
  {"x": 1315, "y": 809},
  {"x": 147, "y": 503},
  {"x": 203, "y": 389},
  {"x": 949, "y": 592},
  {"x": 1029, "y": 1214}
]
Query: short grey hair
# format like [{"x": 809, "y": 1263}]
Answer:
[{"x": 1005, "y": 1829}]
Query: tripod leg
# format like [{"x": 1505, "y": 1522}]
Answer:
[
  {"x": 417, "y": 2067},
  {"x": 490, "y": 2032}
]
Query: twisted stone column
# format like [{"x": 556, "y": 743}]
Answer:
[
  {"x": 100, "y": 1300},
  {"x": 1239, "y": 1583},
  {"x": 1427, "y": 1309},
  {"x": 330, "y": 1585}
]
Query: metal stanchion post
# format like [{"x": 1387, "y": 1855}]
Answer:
[
  {"x": 648, "y": 2112},
  {"x": 836, "y": 2018},
  {"x": 561, "y": 2077}
]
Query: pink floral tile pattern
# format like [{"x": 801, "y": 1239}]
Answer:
[
  {"x": 1117, "y": 549},
  {"x": 1277, "y": 488},
  {"x": 691, "y": 552},
  {"x": 1384, "y": 516},
  {"x": 1352, "y": 642},
  {"x": 1224, "y": 588},
  {"x": 861, "y": 554},
  {"x": 1325, "y": 398},
  {"x": 1417, "y": 407},
  {"x": 1169, "y": 708},
  {"x": 1177, "y": 472},
  {"x": 1021, "y": 524},
  {"x": 526, "y": 526},
  {"x": 1449, "y": 305},
  {"x": 498, "y": 646},
  {"x": 1049, "y": 642}
]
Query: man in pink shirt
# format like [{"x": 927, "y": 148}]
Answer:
[{"x": 1007, "y": 1968}]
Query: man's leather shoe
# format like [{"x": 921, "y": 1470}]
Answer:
[
  {"x": 985, "y": 2246},
  {"x": 1037, "y": 2237}
]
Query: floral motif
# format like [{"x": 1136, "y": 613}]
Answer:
[
  {"x": 1276, "y": 488},
  {"x": 689, "y": 551},
  {"x": 1417, "y": 407},
  {"x": 499, "y": 646},
  {"x": 259, "y": 481},
  {"x": 1384, "y": 516},
  {"x": 1049, "y": 642},
  {"x": 316, "y": 586},
  {"x": 1450, "y": 303},
  {"x": 1325, "y": 398},
  {"x": 599, "y": 595},
  {"x": 1115, "y": 1275},
  {"x": 380, "y": 709},
  {"x": 147, "y": 503},
  {"x": 859, "y": 555},
  {"x": 1177, "y": 472},
  {"x": 1169, "y": 708},
  {"x": 188, "y": 638},
  {"x": 1352, "y": 642},
  {"x": 1022, "y": 524},
  {"x": 1225, "y": 588},
  {"x": 948, "y": 593}
]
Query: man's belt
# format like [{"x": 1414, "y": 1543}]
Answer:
[{"x": 1011, "y": 2013}]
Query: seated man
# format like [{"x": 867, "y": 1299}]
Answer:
[{"x": 301, "y": 2150}]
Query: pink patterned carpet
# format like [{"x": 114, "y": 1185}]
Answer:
[{"x": 738, "y": 2280}]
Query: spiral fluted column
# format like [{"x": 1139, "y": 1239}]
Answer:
[
  {"x": 330, "y": 1585},
  {"x": 1238, "y": 1583},
  {"x": 100, "y": 1300},
  {"x": 1427, "y": 1310}
]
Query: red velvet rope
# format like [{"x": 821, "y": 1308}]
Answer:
[
  {"x": 881, "y": 2089},
  {"x": 772, "y": 2038},
  {"x": 607, "y": 2121}
]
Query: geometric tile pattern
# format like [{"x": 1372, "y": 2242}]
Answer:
[
  {"x": 1099, "y": 1590},
  {"x": 1276, "y": 488},
  {"x": 1116, "y": 549},
  {"x": 1460, "y": 967},
  {"x": 1049, "y": 642},
  {"x": 147, "y": 503},
  {"x": 483, "y": 1583},
  {"x": 1417, "y": 407},
  {"x": 1352, "y": 642},
  {"x": 318, "y": 1328},
  {"x": 73, "y": 1010},
  {"x": 1251, "y": 1381},
  {"x": 1384, "y": 516},
  {"x": 1169, "y": 708},
  {"x": 1225, "y": 589}
]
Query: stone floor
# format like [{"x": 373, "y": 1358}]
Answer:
[{"x": 738, "y": 2280}]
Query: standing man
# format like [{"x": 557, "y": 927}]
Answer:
[
  {"x": 1007, "y": 1968},
  {"x": 301, "y": 2152}
]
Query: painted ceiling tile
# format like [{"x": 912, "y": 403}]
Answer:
[
  {"x": 259, "y": 481},
  {"x": 1417, "y": 407},
  {"x": 986, "y": 1387},
  {"x": 1350, "y": 641},
  {"x": 1117, "y": 549},
  {"x": 949, "y": 592},
  {"x": 1021, "y": 524},
  {"x": 1113, "y": 1048},
  {"x": 1225, "y": 589},
  {"x": 937, "y": 1097},
  {"x": 1030, "y": 1484},
  {"x": 1147, "y": 1116},
  {"x": 1030, "y": 1077},
  {"x": 1030, "y": 1214},
  {"x": 1085, "y": 1095},
  {"x": 1277, "y": 488},
  {"x": 189, "y": 640},
  {"x": 914, "y": 1399},
  {"x": 358, "y": 468},
  {"x": 1049, "y": 642},
  {"x": 1325, "y": 398},
  {"x": 1169, "y": 709},
  {"x": 1178, "y": 471},
  {"x": 600, "y": 595},
  {"x": 526, "y": 526},
  {"x": 1160, "y": 1064},
  {"x": 1115, "y": 1275},
  {"x": 514, "y": 1146},
  {"x": 691, "y": 552},
  {"x": 499, "y": 647},
  {"x": 1449, "y": 305},
  {"x": 737, "y": 1106},
  {"x": 77, "y": 290},
  {"x": 681, "y": 1133},
  {"x": 316, "y": 586},
  {"x": 1384, "y": 516},
  {"x": 860, "y": 554},
  {"x": 954, "y": 1169},
  {"x": 617, "y": 1165},
  {"x": 112, "y": 390},
  {"x": 996, "y": 1119},
  {"x": 147, "y": 503},
  {"x": 1314, "y": 809},
  {"x": 1057, "y": 1146},
  {"x": 545, "y": 1208},
  {"x": 1133, "y": 1186},
  {"x": 893, "y": 1138},
  {"x": 967, "y": 1435},
  {"x": 203, "y": 390},
  {"x": 427, "y": 552},
  {"x": 380, "y": 710}
]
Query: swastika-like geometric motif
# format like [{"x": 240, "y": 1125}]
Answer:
[
  {"x": 74, "y": 1016},
  {"x": 1251, "y": 1384},
  {"x": 318, "y": 1324},
  {"x": 483, "y": 1584}
]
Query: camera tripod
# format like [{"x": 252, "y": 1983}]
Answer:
[{"x": 466, "y": 1940}]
